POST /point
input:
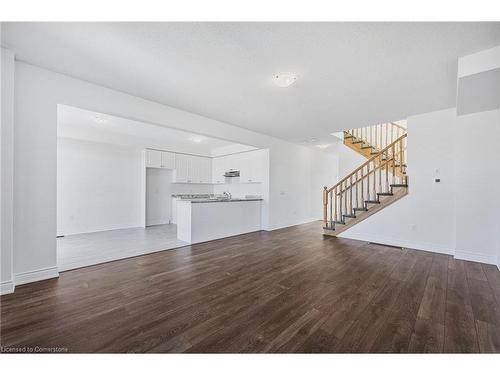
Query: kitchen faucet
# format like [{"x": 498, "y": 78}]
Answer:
[{"x": 227, "y": 194}]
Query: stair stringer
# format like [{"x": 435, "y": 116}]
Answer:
[{"x": 373, "y": 208}]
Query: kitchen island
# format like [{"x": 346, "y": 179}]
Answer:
[{"x": 200, "y": 220}]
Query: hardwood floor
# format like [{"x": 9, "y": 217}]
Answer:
[{"x": 290, "y": 290}]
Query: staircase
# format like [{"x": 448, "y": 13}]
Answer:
[{"x": 375, "y": 184}]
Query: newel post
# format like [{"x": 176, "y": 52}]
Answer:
[{"x": 325, "y": 205}]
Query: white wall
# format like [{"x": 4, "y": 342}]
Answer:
[
  {"x": 348, "y": 159},
  {"x": 37, "y": 93},
  {"x": 6, "y": 170},
  {"x": 425, "y": 218},
  {"x": 477, "y": 178},
  {"x": 158, "y": 196},
  {"x": 99, "y": 186},
  {"x": 324, "y": 172}
]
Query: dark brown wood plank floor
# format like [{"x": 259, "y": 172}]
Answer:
[{"x": 290, "y": 290}]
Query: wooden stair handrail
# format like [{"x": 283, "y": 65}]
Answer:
[
  {"x": 399, "y": 126},
  {"x": 367, "y": 162}
]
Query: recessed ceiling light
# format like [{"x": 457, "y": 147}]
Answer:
[
  {"x": 284, "y": 79},
  {"x": 99, "y": 119},
  {"x": 310, "y": 140},
  {"x": 322, "y": 146},
  {"x": 197, "y": 140}
]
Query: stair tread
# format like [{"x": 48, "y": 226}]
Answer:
[
  {"x": 385, "y": 193},
  {"x": 350, "y": 216},
  {"x": 360, "y": 209},
  {"x": 372, "y": 201},
  {"x": 399, "y": 185}
]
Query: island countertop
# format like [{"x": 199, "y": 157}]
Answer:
[{"x": 208, "y": 200}]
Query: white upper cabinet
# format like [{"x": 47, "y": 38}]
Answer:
[
  {"x": 246, "y": 169},
  {"x": 205, "y": 174},
  {"x": 219, "y": 167},
  {"x": 153, "y": 158},
  {"x": 250, "y": 164},
  {"x": 257, "y": 165},
  {"x": 160, "y": 159},
  {"x": 193, "y": 169},
  {"x": 167, "y": 160},
  {"x": 182, "y": 168}
]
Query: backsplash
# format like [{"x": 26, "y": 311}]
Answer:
[
  {"x": 239, "y": 190},
  {"x": 192, "y": 189}
]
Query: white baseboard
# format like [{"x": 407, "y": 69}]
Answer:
[
  {"x": 37, "y": 275},
  {"x": 433, "y": 248},
  {"x": 275, "y": 227},
  {"x": 474, "y": 257},
  {"x": 6, "y": 287}
]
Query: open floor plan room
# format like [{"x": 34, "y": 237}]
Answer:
[{"x": 251, "y": 187}]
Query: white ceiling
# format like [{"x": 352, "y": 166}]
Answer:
[
  {"x": 350, "y": 74},
  {"x": 97, "y": 127}
]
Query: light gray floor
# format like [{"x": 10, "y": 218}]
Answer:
[{"x": 80, "y": 250}]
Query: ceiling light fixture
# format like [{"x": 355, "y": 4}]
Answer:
[
  {"x": 284, "y": 79},
  {"x": 99, "y": 119},
  {"x": 197, "y": 140},
  {"x": 323, "y": 146}
]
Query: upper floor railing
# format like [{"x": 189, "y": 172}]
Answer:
[{"x": 378, "y": 136}]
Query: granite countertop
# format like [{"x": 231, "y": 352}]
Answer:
[
  {"x": 201, "y": 200},
  {"x": 190, "y": 196}
]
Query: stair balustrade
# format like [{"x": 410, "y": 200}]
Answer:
[
  {"x": 378, "y": 136},
  {"x": 377, "y": 177}
]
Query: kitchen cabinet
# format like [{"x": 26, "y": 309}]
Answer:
[
  {"x": 193, "y": 169},
  {"x": 250, "y": 164},
  {"x": 255, "y": 166},
  {"x": 167, "y": 160},
  {"x": 181, "y": 168},
  {"x": 153, "y": 158},
  {"x": 205, "y": 170},
  {"x": 160, "y": 159},
  {"x": 219, "y": 167},
  {"x": 174, "y": 209}
]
